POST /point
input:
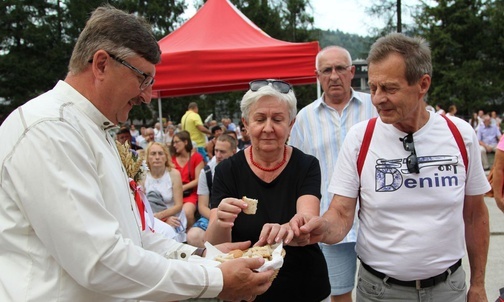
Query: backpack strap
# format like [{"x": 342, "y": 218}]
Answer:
[
  {"x": 208, "y": 174},
  {"x": 460, "y": 141},
  {"x": 365, "y": 144},
  {"x": 369, "y": 134}
]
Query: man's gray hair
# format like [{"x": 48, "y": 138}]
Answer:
[
  {"x": 117, "y": 32},
  {"x": 415, "y": 52},
  {"x": 228, "y": 138}
]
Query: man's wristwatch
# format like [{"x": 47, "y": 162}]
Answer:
[{"x": 199, "y": 251}]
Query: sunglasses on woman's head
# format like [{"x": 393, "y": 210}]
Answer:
[{"x": 278, "y": 85}]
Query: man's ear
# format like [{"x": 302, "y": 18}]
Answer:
[
  {"x": 425, "y": 83},
  {"x": 99, "y": 63}
]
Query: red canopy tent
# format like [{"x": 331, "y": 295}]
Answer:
[{"x": 219, "y": 49}]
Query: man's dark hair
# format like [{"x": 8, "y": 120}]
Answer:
[
  {"x": 215, "y": 129},
  {"x": 123, "y": 130}
]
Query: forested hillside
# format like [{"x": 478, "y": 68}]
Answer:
[{"x": 357, "y": 46}]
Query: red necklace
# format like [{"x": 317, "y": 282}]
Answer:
[{"x": 269, "y": 169}]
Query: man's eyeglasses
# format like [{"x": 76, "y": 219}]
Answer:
[
  {"x": 412, "y": 160},
  {"x": 278, "y": 85},
  {"x": 148, "y": 79},
  {"x": 340, "y": 69}
]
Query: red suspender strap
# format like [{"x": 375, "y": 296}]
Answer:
[
  {"x": 365, "y": 144},
  {"x": 459, "y": 140}
]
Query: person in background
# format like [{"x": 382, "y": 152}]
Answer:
[
  {"x": 189, "y": 163},
  {"x": 192, "y": 123},
  {"x": 488, "y": 137},
  {"x": 440, "y": 110},
  {"x": 163, "y": 188},
  {"x": 410, "y": 241},
  {"x": 124, "y": 135},
  {"x": 319, "y": 130},
  {"x": 225, "y": 146},
  {"x": 71, "y": 230},
  {"x": 139, "y": 140},
  {"x": 210, "y": 145},
  {"x": 170, "y": 132},
  {"x": 495, "y": 119},
  {"x": 284, "y": 180},
  {"x": 474, "y": 121},
  {"x": 148, "y": 137},
  {"x": 244, "y": 141},
  {"x": 452, "y": 110},
  {"x": 158, "y": 133},
  {"x": 498, "y": 175},
  {"x": 228, "y": 124},
  {"x": 133, "y": 131}
]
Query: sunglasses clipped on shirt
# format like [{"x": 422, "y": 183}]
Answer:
[
  {"x": 412, "y": 160},
  {"x": 280, "y": 86}
]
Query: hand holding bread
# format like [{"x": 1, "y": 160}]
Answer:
[
  {"x": 275, "y": 233},
  {"x": 272, "y": 255},
  {"x": 229, "y": 208},
  {"x": 242, "y": 281}
]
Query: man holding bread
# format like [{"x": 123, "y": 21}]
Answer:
[{"x": 70, "y": 227}]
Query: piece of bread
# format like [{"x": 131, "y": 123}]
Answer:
[
  {"x": 253, "y": 252},
  {"x": 252, "y": 205}
]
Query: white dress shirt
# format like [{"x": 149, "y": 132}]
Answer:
[{"x": 69, "y": 224}]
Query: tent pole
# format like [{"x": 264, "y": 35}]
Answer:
[{"x": 160, "y": 115}]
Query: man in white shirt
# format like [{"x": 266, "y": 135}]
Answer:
[
  {"x": 319, "y": 130},
  {"x": 420, "y": 185},
  {"x": 71, "y": 230},
  {"x": 158, "y": 133}
]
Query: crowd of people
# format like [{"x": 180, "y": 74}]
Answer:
[
  {"x": 488, "y": 127},
  {"x": 352, "y": 178}
]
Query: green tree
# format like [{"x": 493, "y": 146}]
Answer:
[
  {"x": 356, "y": 45},
  {"x": 462, "y": 35},
  {"x": 33, "y": 50},
  {"x": 391, "y": 12},
  {"x": 37, "y": 37}
]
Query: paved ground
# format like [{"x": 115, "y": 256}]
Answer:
[{"x": 495, "y": 264}]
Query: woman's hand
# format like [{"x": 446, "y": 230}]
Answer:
[
  {"x": 160, "y": 216},
  {"x": 274, "y": 233},
  {"x": 228, "y": 210},
  {"x": 173, "y": 221}
]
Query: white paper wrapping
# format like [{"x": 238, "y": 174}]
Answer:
[{"x": 275, "y": 263}]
